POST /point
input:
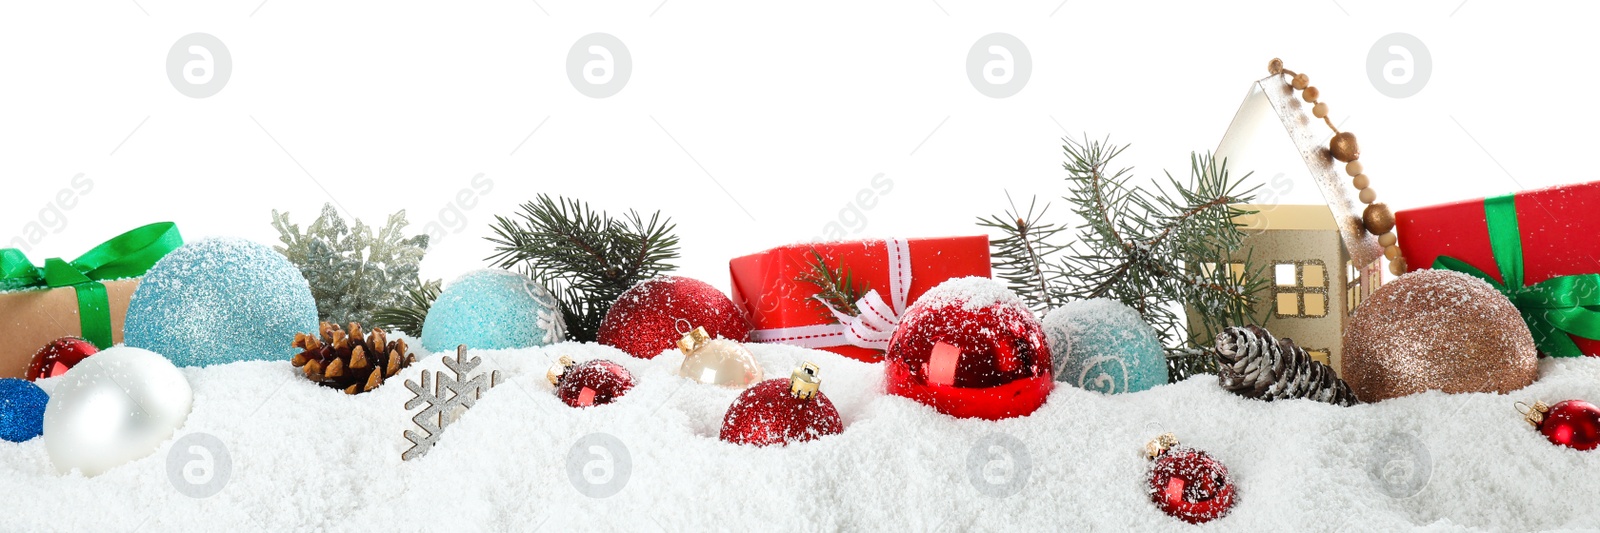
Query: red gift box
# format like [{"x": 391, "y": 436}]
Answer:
[
  {"x": 781, "y": 308},
  {"x": 1559, "y": 230}
]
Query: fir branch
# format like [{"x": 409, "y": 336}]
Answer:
[
  {"x": 409, "y": 316},
  {"x": 1022, "y": 256},
  {"x": 836, "y": 288},
  {"x": 584, "y": 257},
  {"x": 1147, "y": 248}
]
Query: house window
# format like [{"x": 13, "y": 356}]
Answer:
[
  {"x": 1321, "y": 355},
  {"x": 1236, "y": 271},
  {"x": 1353, "y": 289},
  {"x": 1362, "y": 283},
  {"x": 1300, "y": 289}
]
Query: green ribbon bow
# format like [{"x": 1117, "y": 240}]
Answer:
[
  {"x": 1553, "y": 308},
  {"x": 127, "y": 255}
]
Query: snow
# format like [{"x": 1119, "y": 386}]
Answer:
[
  {"x": 307, "y": 457},
  {"x": 973, "y": 293}
]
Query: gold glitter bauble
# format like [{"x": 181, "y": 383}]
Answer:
[{"x": 1437, "y": 330}]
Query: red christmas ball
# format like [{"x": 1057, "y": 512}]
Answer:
[
  {"x": 971, "y": 349},
  {"x": 645, "y": 320},
  {"x": 590, "y": 383},
  {"x": 59, "y": 356},
  {"x": 781, "y": 411},
  {"x": 1572, "y": 423},
  {"x": 1191, "y": 485}
]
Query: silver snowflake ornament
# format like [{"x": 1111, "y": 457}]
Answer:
[{"x": 446, "y": 399}]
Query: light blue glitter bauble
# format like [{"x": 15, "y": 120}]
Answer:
[
  {"x": 1104, "y": 346},
  {"x": 218, "y": 301},
  {"x": 493, "y": 309},
  {"x": 21, "y": 409}
]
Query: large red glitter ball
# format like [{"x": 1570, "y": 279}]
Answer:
[
  {"x": 645, "y": 320},
  {"x": 1572, "y": 423},
  {"x": 594, "y": 382},
  {"x": 1190, "y": 485},
  {"x": 59, "y": 356},
  {"x": 767, "y": 414},
  {"x": 971, "y": 349}
]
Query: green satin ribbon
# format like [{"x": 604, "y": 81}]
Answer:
[
  {"x": 1553, "y": 308},
  {"x": 127, "y": 255}
]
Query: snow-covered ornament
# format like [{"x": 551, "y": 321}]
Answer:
[
  {"x": 644, "y": 320},
  {"x": 717, "y": 361},
  {"x": 1572, "y": 423},
  {"x": 971, "y": 349},
  {"x": 590, "y": 383},
  {"x": 1104, "y": 346},
  {"x": 218, "y": 301},
  {"x": 446, "y": 401},
  {"x": 1188, "y": 484},
  {"x": 782, "y": 411},
  {"x": 493, "y": 309}
]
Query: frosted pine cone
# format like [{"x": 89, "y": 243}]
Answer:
[
  {"x": 1253, "y": 364},
  {"x": 349, "y": 362}
]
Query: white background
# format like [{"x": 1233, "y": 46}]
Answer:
[{"x": 791, "y": 107}]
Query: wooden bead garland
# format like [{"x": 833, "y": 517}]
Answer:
[{"x": 1377, "y": 219}]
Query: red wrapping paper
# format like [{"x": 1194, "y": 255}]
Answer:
[
  {"x": 765, "y": 286},
  {"x": 1560, "y": 228}
]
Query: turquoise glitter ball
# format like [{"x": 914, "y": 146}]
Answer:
[
  {"x": 21, "y": 409},
  {"x": 218, "y": 301},
  {"x": 1102, "y": 345},
  {"x": 493, "y": 309}
]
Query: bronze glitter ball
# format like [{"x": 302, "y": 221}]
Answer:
[{"x": 1437, "y": 330}]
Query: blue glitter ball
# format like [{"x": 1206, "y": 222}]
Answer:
[
  {"x": 218, "y": 301},
  {"x": 493, "y": 309},
  {"x": 21, "y": 409},
  {"x": 1104, "y": 346}
]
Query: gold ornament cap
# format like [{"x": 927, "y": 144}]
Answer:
[
  {"x": 1534, "y": 414},
  {"x": 558, "y": 370},
  {"x": 693, "y": 340},
  {"x": 804, "y": 382},
  {"x": 1160, "y": 445}
]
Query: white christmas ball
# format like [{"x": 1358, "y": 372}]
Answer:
[{"x": 113, "y": 408}]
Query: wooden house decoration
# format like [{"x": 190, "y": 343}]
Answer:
[{"x": 1319, "y": 260}]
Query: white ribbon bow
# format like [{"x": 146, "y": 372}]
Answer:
[{"x": 872, "y": 328}]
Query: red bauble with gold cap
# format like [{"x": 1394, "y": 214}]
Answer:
[
  {"x": 1572, "y": 423},
  {"x": 1188, "y": 484},
  {"x": 782, "y": 411},
  {"x": 590, "y": 383}
]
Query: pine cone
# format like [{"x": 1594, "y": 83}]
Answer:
[
  {"x": 1251, "y": 363},
  {"x": 348, "y": 361}
]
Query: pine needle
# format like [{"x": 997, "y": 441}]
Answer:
[
  {"x": 584, "y": 257},
  {"x": 836, "y": 287}
]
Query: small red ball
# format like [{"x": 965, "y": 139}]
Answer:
[
  {"x": 59, "y": 356},
  {"x": 767, "y": 414},
  {"x": 1190, "y": 485},
  {"x": 644, "y": 320},
  {"x": 594, "y": 382},
  {"x": 1572, "y": 423},
  {"x": 971, "y": 349}
]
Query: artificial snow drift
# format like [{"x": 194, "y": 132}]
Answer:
[{"x": 309, "y": 457}]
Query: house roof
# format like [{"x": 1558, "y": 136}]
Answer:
[{"x": 1287, "y": 217}]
